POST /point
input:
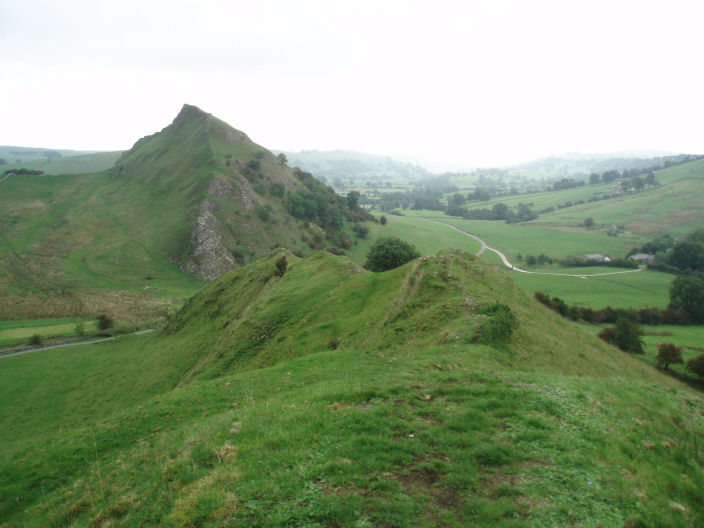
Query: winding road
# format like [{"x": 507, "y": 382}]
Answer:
[{"x": 508, "y": 264}]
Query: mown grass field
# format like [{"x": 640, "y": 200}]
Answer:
[{"x": 405, "y": 422}]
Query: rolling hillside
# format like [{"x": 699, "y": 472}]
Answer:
[
  {"x": 78, "y": 164},
  {"x": 332, "y": 396},
  {"x": 190, "y": 202}
]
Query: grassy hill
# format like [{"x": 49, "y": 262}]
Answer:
[
  {"x": 333, "y": 396},
  {"x": 183, "y": 205},
  {"x": 78, "y": 164}
]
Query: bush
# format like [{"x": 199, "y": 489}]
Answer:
[
  {"x": 389, "y": 253},
  {"x": 668, "y": 354},
  {"x": 80, "y": 329},
  {"x": 281, "y": 266},
  {"x": 625, "y": 335},
  {"x": 696, "y": 365},
  {"x": 105, "y": 322},
  {"x": 36, "y": 339},
  {"x": 382, "y": 220},
  {"x": 500, "y": 327},
  {"x": 277, "y": 189},
  {"x": 362, "y": 231}
]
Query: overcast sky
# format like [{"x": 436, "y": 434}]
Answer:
[{"x": 460, "y": 84}]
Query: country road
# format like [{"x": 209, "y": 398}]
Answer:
[
  {"x": 37, "y": 349},
  {"x": 508, "y": 264}
]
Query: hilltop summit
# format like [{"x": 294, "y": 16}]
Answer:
[{"x": 231, "y": 197}]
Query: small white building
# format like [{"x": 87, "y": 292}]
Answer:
[
  {"x": 598, "y": 257},
  {"x": 642, "y": 258}
]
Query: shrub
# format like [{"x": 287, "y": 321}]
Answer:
[
  {"x": 263, "y": 212},
  {"x": 36, "y": 339},
  {"x": 105, "y": 322},
  {"x": 389, "y": 253},
  {"x": 382, "y": 220},
  {"x": 696, "y": 365},
  {"x": 668, "y": 354},
  {"x": 500, "y": 327},
  {"x": 281, "y": 266},
  {"x": 80, "y": 329},
  {"x": 277, "y": 189},
  {"x": 362, "y": 231}
]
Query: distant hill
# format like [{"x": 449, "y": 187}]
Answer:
[
  {"x": 578, "y": 164},
  {"x": 357, "y": 166},
  {"x": 78, "y": 164},
  {"x": 14, "y": 154},
  {"x": 198, "y": 197}
]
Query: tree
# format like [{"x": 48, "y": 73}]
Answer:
[
  {"x": 669, "y": 353},
  {"x": 282, "y": 159},
  {"x": 458, "y": 199},
  {"x": 589, "y": 222},
  {"x": 593, "y": 178},
  {"x": 352, "y": 199},
  {"x": 696, "y": 365},
  {"x": 625, "y": 335},
  {"x": 382, "y": 220},
  {"x": 687, "y": 296},
  {"x": 688, "y": 254},
  {"x": 650, "y": 179},
  {"x": 389, "y": 253}
]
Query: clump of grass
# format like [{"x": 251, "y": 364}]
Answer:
[{"x": 500, "y": 327}]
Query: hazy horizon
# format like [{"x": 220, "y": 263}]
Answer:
[{"x": 452, "y": 86}]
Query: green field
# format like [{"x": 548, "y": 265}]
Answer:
[
  {"x": 627, "y": 290},
  {"x": 428, "y": 237},
  {"x": 80, "y": 164},
  {"x": 18, "y": 332},
  {"x": 689, "y": 338},
  {"x": 260, "y": 405}
]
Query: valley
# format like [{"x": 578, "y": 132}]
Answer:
[{"x": 287, "y": 385}]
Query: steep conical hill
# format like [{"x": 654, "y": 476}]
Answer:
[
  {"x": 346, "y": 398},
  {"x": 197, "y": 197},
  {"x": 238, "y": 199}
]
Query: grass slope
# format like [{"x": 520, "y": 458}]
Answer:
[
  {"x": 80, "y": 164},
  {"x": 337, "y": 397},
  {"x": 195, "y": 197}
]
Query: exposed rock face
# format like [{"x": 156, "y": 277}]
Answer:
[{"x": 210, "y": 258}]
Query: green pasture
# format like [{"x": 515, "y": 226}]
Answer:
[
  {"x": 529, "y": 239},
  {"x": 80, "y": 164},
  {"x": 627, "y": 290},
  {"x": 428, "y": 237},
  {"x": 18, "y": 332},
  {"x": 689, "y": 338}
]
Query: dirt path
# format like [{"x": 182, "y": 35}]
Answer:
[
  {"x": 62, "y": 345},
  {"x": 510, "y": 266}
]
